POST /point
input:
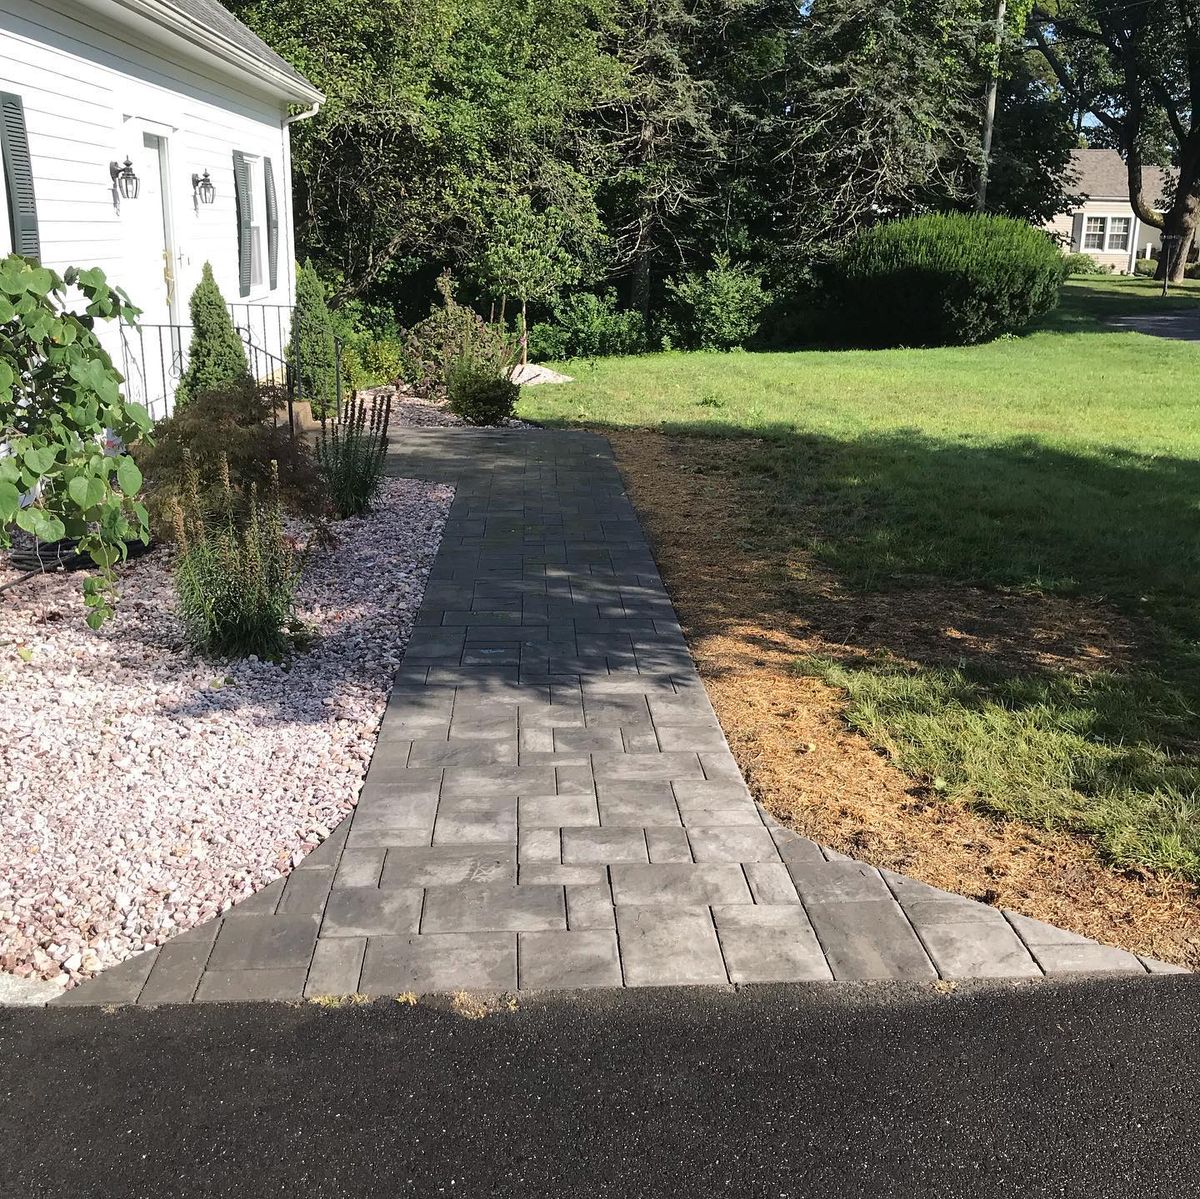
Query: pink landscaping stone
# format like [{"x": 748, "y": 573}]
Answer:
[{"x": 144, "y": 789}]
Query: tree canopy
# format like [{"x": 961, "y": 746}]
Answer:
[{"x": 535, "y": 146}]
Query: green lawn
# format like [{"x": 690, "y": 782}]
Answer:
[{"x": 1066, "y": 460}]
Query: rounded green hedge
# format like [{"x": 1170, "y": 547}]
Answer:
[{"x": 946, "y": 279}]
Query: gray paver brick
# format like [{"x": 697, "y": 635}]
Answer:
[
  {"x": 668, "y": 845},
  {"x": 582, "y": 845},
  {"x": 441, "y": 962},
  {"x": 176, "y": 973},
  {"x": 733, "y": 843},
  {"x": 494, "y": 907},
  {"x": 833, "y": 882},
  {"x": 869, "y": 939},
  {"x": 615, "y": 768},
  {"x": 441, "y": 865},
  {"x": 359, "y": 868},
  {"x": 981, "y": 950},
  {"x": 680, "y": 884},
  {"x": 117, "y": 984},
  {"x": 371, "y": 911},
  {"x": 240, "y": 986},
  {"x": 1086, "y": 958},
  {"x": 771, "y": 883},
  {"x": 772, "y": 943},
  {"x": 638, "y": 810},
  {"x": 669, "y": 946},
  {"x": 558, "y": 810},
  {"x": 264, "y": 943},
  {"x": 470, "y": 828},
  {"x": 590, "y": 905},
  {"x": 569, "y": 959},
  {"x": 336, "y": 966}
]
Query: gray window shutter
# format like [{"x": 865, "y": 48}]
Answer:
[
  {"x": 241, "y": 188},
  {"x": 272, "y": 223},
  {"x": 18, "y": 177}
]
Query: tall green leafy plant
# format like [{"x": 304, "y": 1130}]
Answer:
[
  {"x": 312, "y": 346},
  {"x": 235, "y": 579},
  {"x": 64, "y": 424},
  {"x": 351, "y": 453},
  {"x": 216, "y": 356}
]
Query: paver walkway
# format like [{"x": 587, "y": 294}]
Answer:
[{"x": 552, "y": 802}]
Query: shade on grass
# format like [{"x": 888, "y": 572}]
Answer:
[{"x": 1067, "y": 460}]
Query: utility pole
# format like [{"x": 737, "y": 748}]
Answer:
[{"x": 989, "y": 110}]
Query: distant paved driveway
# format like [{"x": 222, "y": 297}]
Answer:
[{"x": 1178, "y": 326}]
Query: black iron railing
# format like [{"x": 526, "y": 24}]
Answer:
[{"x": 154, "y": 358}]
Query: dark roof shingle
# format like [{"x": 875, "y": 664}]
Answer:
[
  {"x": 1102, "y": 175},
  {"x": 216, "y": 18}
]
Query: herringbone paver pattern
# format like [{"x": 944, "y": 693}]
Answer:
[{"x": 552, "y": 802}]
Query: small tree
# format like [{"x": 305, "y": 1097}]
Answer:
[
  {"x": 216, "y": 357},
  {"x": 64, "y": 424},
  {"x": 312, "y": 341},
  {"x": 526, "y": 255}
]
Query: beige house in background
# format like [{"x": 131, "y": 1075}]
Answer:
[{"x": 1105, "y": 225}]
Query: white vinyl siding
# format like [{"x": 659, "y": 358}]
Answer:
[{"x": 92, "y": 89}]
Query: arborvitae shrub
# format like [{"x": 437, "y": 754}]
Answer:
[
  {"x": 312, "y": 341},
  {"x": 216, "y": 357},
  {"x": 945, "y": 279}
]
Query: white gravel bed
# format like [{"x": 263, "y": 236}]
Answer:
[{"x": 144, "y": 789}]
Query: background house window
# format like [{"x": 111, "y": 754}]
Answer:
[
  {"x": 1093, "y": 234},
  {"x": 1118, "y": 232}
]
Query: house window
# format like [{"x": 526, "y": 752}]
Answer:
[
  {"x": 1118, "y": 232},
  {"x": 1093, "y": 234},
  {"x": 255, "y": 221},
  {"x": 1109, "y": 234}
]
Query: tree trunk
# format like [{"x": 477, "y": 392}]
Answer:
[
  {"x": 641, "y": 286},
  {"x": 1179, "y": 223},
  {"x": 524, "y": 335}
]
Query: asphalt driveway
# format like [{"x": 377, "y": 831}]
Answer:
[{"x": 1031, "y": 1089}]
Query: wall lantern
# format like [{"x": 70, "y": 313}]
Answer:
[
  {"x": 125, "y": 179},
  {"x": 203, "y": 191}
]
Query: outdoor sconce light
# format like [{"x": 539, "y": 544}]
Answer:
[
  {"x": 203, "y": 191},
  {"x": 125, "y": 179}
]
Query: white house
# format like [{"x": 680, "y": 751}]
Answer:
[
  {"x": 1105, "y": 225},
  {"x": 148, "y": 137}
]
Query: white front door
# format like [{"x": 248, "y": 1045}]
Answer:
[{"x": 155, "y": 359}]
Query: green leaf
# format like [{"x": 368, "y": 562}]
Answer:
[
  {"x": 39, "y": 459},
  {"x": 129, "y": 478},
  {"x": 87, "y": 491},
  {"x": 10, "y": 501}
]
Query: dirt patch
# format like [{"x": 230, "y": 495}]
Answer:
[{"x": 749, "y": 613}]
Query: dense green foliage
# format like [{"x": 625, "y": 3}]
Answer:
[
  {"x": 586, "y": 325},
  {"x": 351, "y": 451},
  {"x": 451, "y": 337},
  {"x": 718, "y": 309},
  {"x": 1063, "y": 463},
  {"x": 216, "y": 357},
  {"x": 946, "y": 280},
  {"x": 235, "y": 579},
  {"x": 237, "y": 426},
  {"x": 480, "y": 396},
  {"x": 64, "y": 425},
  {"x": 312, "y": 342},
  {"x": 542, "y": 149},
  {"x": 1083, "y": 264}
]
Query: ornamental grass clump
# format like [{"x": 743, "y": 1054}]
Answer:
[
  {"x": 351, "y": 451},
  {"x": 235, "y": 580}
]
